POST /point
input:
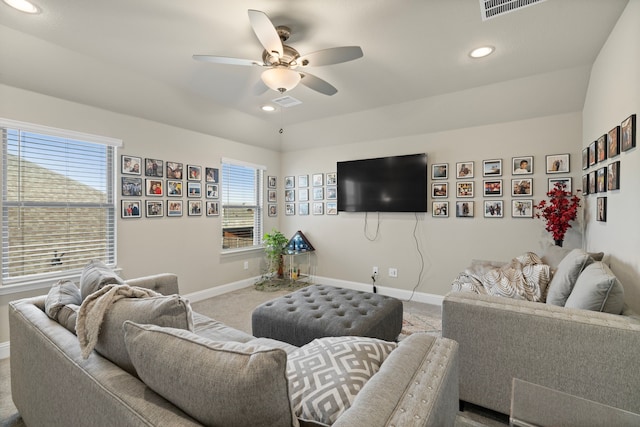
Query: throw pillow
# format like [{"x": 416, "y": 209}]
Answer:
[
  {"x": 598, "y": 289},
  {"x": 67, "y": 317},
  {"x": 95, "y": 275},
  {"x": 326, "y": 375},
  {"x": 171, "y": 311},
  {"x": 566, "y": 275},
  {"x": 217, "y": 383},
  {"x": 61, "y": 293}
]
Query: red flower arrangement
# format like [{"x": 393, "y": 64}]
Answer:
[{"x": 558, "y": 211}]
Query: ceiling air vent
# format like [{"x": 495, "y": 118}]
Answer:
[
  {"x": 286, "y": 101},
  {"x": 492, "y": 8}
]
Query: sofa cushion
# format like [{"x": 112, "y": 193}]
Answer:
[
  {"x": 217, "y": 383},
  {"x": 61, "y": 293},
  {"x": 566, "y": 275},
  {"x": 597, "y": 289},
  {"x": 326, "y": 375},
  {"x": 95, "y": 275},
  {"x": 171, "y": 311}
]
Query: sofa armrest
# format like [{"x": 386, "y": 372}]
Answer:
[
  {"x": 164, "y": 283},
  {"x": 417, "y": 385},
  {"x": 584, "y": 353}
]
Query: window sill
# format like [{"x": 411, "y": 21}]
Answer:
[
  {"x": 239, "y": 251},
  {"x": 44, "y": 283}
]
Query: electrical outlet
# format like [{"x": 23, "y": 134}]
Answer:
[
  {"x": 375, "y": 270},
  {"x": 246, "y": 265},
  {"x": 393, "y": 272}
]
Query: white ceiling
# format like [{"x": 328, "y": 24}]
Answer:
[{"x": 134, "y": 57}]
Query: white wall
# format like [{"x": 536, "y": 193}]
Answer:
[
  {"x": 447, "y": 244},
  {"x": 613, "y": 95}
]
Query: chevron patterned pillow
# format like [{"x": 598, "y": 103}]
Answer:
[{"x": 326, "y": 375}]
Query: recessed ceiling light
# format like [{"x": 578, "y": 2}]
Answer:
[
  {"x": 23, "y": 6},
  {"x": 481, "y": 52},
  {"x": 268, "y": 108}
]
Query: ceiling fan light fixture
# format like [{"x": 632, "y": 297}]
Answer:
[
  {"x": 23, "y": 6},
  {"x": 280, "y": 79},
  {"x": 482, "y": 51}
]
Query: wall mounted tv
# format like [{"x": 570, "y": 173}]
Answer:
[{"x": 386, "y": 184}]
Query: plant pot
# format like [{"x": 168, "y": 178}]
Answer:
[{"x": 559, "y": 242}]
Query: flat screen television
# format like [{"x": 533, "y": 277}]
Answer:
[{"x": 386, "y": 184}]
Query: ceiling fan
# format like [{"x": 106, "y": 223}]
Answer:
[{"x": 283, "y": 61}]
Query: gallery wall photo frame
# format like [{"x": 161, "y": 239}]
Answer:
[
  {"x": 131, "y": 186},
  {"x": 289, "y": 182},
  {"x": 303, "y": 209},
  {"x": 303, "y": 194},
  {"x": 154, "y": 167},
  {"x": 613, "y": 142},
  {"x": 492, "y": 187},
  {"x": 464, "y": 170},
  {"x": 331, "y": 208},
  {"x": 318, "y": 208},
  {"x": 318, "y": 193},
  {"x": 303, "y": 181},
  {"x": 175, "y": 170},
  {"x": 174, "y": 208},
  {"x": 522, "y": 187},
  {"x": 567, "y": 181},
  {"x": 211, "y": 191},
  {"x": 130, "y": 208},
  {"x": 601, "y": 180},
  {"x": 194, "y": 189},
  {"x": 557, "y": 163},
  {"x": 440, "y": 209},
  {"x": 628, "y": 133},
  {"x": 272, "y": 181},
  {"x": 289, "y": 209},
  {"x": 131, "y": 165},
  {"x": 464, "y": 209},
  {"x": 272, "y": 209},
  {"x": 601, "y": 209},
  {"x": 522, "y": 165},
  {"x": 613, "y": 176},
  {"x": 194, "y": 207},
  {"x": 290, "y": 195},
  {"x": 272, "y": 196},
  {"x": 592, "y": 182},
  {"x": 211, "y": 175},
  {"x": 332, "y": 193},
  {"x": 194, "y": 173},
  {"x": 585, "y": 184},
  {"x": 154, "y": 187},
  {"x": 522, "y": 208},
  {"x": 174, "y": 188},
  {"x": 331, "y": 178},
  {"x": 439, "y": 190},
  {"x": 492, "y": 167},
  {"x": 601, "y": 148},
  {"x": 585, "y": 158},
  {"x": 494, "y": 208},
  {"x": 464, "y": 188},
  {"x": 592, "y": 154},
  {"x": 153, "y": 208},
  {"x": 317, "y": 179},
  {"x": 440, "y": 171},
  {"x": 212, "y": 208}
]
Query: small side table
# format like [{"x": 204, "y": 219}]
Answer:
[{"x": 298, "y": 266}]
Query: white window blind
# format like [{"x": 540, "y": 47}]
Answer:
[
  {"x": 58, "y": 209},
  {"x": 241, "y": 205}
]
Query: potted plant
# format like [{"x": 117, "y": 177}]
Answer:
[
  {"x": 561, "y": 209},
  {"x": 274, "y": 244}
]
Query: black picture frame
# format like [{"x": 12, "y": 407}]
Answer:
[
  {"x": 492, "y": 187},
  {"x": 628, "y": 133},
  {"x": 131, "y": 165},
  {"x": 585, "y": 184},
  {"x": 154, "y": 208},
  {"x": 194, "y": 173},
  {"x": 194, "y": 207},
  {"x": 613, "y": 142},
  {"x": 212, "y": 175},
  {"x": 566, "y": 180},
  {"x": 211, "y": 190},
  {"x": 131, "y": 186},
  {"x": 175, "y": 170},
  {"x": 131, "y": 209},
  {"x": 585, "y": 158},
  {"x": 613, "y": 176},
  {"x": 154, "y": 187},
  {"x": 212, "y": 208},
  {"x": 154, "y": 168},
  {"x": 592, "y": 182},
  {"x": 522, "y": 208},
  {"x": 558, "y": 163},
  {"x": 439, "y": 190},
  {"x": 194, "y": 189},
  {"x": 601, "y": 177},
  {"x": 592, "y": 154},
  {"x": 272, "y": 209},
  {"x": 440, "y": 209},
  {"x": 464, "y": 170},
  {"x": 601, "y": 148},
  {"x": 493, "y": 208},
  {"x": 492, "y": 167},
  {"x": 465, "y": 209},
  {"x": 601, "y": 209},
  {"x": 174, "y": 208},
  {"x": 440, "y": 171},
  {"x": 522, "y": 165},
  {"x": 174, "y": 188},
  {"x": 522, "y": 187}
]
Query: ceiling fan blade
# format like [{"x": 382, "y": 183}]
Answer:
[
  {"x": 317, "y": 84},
  {"x": 266, "y": 32},
  {"x": 225, "y": 60},
  {"x": 334, "y": 55}
]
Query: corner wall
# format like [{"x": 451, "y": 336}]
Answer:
[{"x": 613, "y": 95}]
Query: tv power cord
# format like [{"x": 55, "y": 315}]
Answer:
[{"x": 373, "y": 280}]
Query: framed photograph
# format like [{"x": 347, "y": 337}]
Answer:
[
  {"x": 174, "y": 207},
  {"x": 289, "y": 209},
  {"x": 272, "y": 196},
  {"x": 585, "y": 158},
  {"x": 492, "y": 187},
  {"x": 464, "y": 209},
  {"x": 303, "y": 209},
  {"x": 318, "y": 208},
  {"x": 194, "y": 173},
  {"x": 131, "y": 208},
  {"x": 601, "y": 209},
  {"x": 613, "y": 176},
  {"x": 566, "y": 181},
  {"x": 318, "y": 193},
  {"x": 521, "y": 208},
  {"x": 464, "y": 189},
  {"x": 493, "y": 208},
  {"x": 211, "y": 191},
  {"x": 464, "y": 170},
  {"x": 628, "y": 133},
  {"x": 289, "y": 195},
  {"x": 522, "y": 165},
  {"x": 271, "y": 181},
  {"x": 272, "y": 208},
  {"x": 289, "y": 182},
  {"x": 440, "y": 171},
  {"x": 318, "y": 179},
  {"x": 592, "y": 154},
  {"x": 154, "y": 208},
  {"x": 212, "y": 175},
  {"x": 303, "y": 195},
  {"x": 613, "y": 142},
  {"x": 439, "y": 190},
  {"x": 601, "y": 180},
  {"x": 558, "y": 163},
  {"x": 585, "y": 184},
  {"x": 440, "y": 210},
  {"x": 194, "y": 189},
  {"x": 601, "y": 149},
  {"x": 195, "y": 207},
  {"x": 213, "y": 208},
  {"x": 153, "y": 167},
  {"x": 592, "y": 182},
  {"x": 332, "y": 193},
  {"x": 522, "y": 187},
  {"x": 174, "y": 170},
  {"x": 154, "y": 187},
  {"x": 332, "y": 208},
  {"x": 131, "y": 187},
  {"x": 303, "y": 181},
  {"x": 492, "y": 167},
  {"x": 131, "y": 165},
  {"x": 174, "y": 188},
  {"x": 332, "y": 178}
]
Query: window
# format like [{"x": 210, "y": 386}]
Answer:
[
  {"x": 58, "y": 209},
  {"x": 241, "y": 205}
]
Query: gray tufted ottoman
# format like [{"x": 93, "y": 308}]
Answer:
[{"x": 323, "y": 311}]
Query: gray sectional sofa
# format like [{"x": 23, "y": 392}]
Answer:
[{"x": 176, "y": 381}]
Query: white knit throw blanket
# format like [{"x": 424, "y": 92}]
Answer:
[{"x": 95, "y": 307}]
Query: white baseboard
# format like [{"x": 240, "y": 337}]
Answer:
[{"x": 219, "y": 290}]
